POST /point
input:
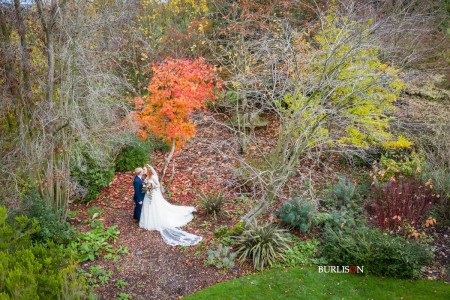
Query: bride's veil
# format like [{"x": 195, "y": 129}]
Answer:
[{"x": 177, "y": 236}]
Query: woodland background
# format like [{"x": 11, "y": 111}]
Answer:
[{"x": 315, "y": 126}]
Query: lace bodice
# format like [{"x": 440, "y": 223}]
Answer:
[{"x": 154, "y": 178}]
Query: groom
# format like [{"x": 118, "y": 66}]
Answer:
[{"x": 138, "y": 193}]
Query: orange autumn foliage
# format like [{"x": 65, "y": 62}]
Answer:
[{"x": 177, "y": 88}]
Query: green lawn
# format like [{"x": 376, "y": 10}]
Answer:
[{"x": 302, "y": 283}]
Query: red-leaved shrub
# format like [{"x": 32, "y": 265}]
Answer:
[{"x": 405, "y": 199}]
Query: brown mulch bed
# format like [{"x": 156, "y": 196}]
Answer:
[{"x": 440, "y": 266}]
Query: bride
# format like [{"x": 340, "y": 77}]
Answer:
[{"x": 158, "y": 214}]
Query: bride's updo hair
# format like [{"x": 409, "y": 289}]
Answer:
[{"x": 138, "y": 171}]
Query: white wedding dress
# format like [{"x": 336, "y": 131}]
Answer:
[{"x": 158, "y": 214}]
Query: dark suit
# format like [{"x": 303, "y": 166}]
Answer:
[{"x": 138, "y": 197}]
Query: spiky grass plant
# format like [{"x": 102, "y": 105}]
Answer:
[
  {"x": 212, "y": 203},
  {"x": 263, "y": 244}
]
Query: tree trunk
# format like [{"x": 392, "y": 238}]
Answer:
[
  {"x": 56, "y": 170},
  {"x": 48, "y": 27},
  {"x": 263, "y": 204},
  {"x": 51, "y": 66},
  {"x": 10, "y": 72},
  {"x": 25, "y": 58},
  {"x": 256, "y": 211},
  {"x": 166, "y": 164}
]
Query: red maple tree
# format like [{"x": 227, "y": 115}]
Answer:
[{"x": 177, "y": 88}]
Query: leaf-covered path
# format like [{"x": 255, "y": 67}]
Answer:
[{"x": 152, "y": 269}]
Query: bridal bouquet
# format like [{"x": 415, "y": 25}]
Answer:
[{"x": 147, "y": 186}]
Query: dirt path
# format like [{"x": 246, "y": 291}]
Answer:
[{"x": 154, "y": 270}]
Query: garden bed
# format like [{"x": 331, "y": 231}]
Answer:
[{"x": 154, "y": 270}]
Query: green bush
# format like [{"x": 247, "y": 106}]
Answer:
[
  {"x": 380, "y": 253},
  {"x": 303, "y": 253},
  {"x": 93, "y": 177},
  {"x": 53, "y": 227},
  {"x": 298, "y": 213},
  {"x": 343, "y": 204},
  {"x": 339, "y": 218},
  {"x": 392, "y": 165},
  {"x": 343, "y": 194},
  {"x": 264, "y": 245},
  {"x": 220, "y": 231},
  {"x": 96, "y": 242},
  {"x": 97, "y": 276},
  {"x": 440, "y": 178},
  {"x": 237, "y": 229},
  {"x": 342, "y": 218},
  {"x": 226, "y": 234},
  {"x": 135, "y": 155},
  {"x": 31, "y": 270},
  {"x": 321, "y": 218}
]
